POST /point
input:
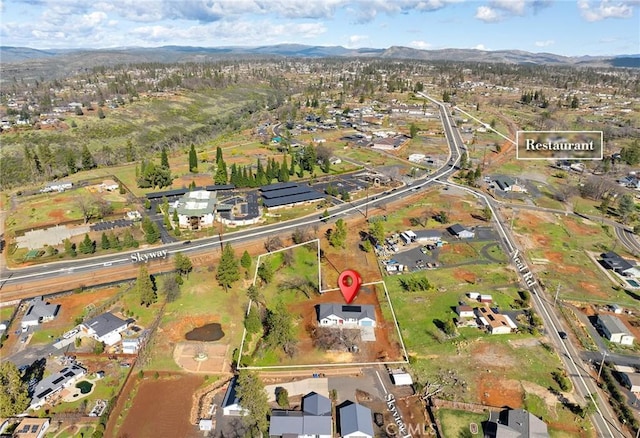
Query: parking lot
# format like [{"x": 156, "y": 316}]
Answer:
[
  {"x": 418, "y": 256},
  {"x": 110, "y": 225}
]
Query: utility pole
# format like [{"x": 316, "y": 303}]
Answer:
[
  {"x": 556, "y": 298},
  {"x": 604, "y": 355}
]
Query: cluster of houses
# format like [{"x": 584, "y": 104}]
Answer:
[
  {"x": 484, "y": 317},
  {"x": 314, "y": 419}
]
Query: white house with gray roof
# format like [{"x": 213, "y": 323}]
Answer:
[
  {"x": 53, "y": 384},
  {"x": 39, "y": 311},
  {"x": 195, "y": 209},
  {"x": 333, "y": 314},
  {"x": 615, "y": 330},
  {"x": 106, "y": 328},
  {"x": 314, "y": 420},
  {"x": 355, "y": 421}
]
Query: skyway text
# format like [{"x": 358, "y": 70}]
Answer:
[{"x": 145, "y": 257}]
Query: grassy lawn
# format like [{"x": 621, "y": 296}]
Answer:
[
  {"x": 6, "y": 312},
  {"x": 456, "y": 423}
]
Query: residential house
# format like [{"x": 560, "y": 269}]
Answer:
[
  {"x": 50, "y": 386},
  {"x": 515, "y": 423},
  {"x": 106, "y": 328},
  {"x": 485, "y": 298},
  {"x": 494, "y": 322},
  {"x": 333, "y": 314},
  {"x": 109, "y": 185},
  {"x": 614, "y": 329},
  {"x": 355, "y": 421},
  {"x": 31, "y": 428},
  {"x": 314, "y": 420},
  {"x": 230, "y": 402},
  {"x": 461, "y": 232},
  {"x": 465, "y": 311},
  {"x": 39, "y": 311},
  {"x": 613, "y": 261},
  {"x": 631, "y": 381}
]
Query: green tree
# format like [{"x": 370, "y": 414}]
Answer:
[
  {"x": 280, "y": 332},
  {"x": 487, "y": 213},
  {"x": 252, "y": 320},
  {"x": 376, "y": 229},
  {"x": 626, "y": 206},
  {"x": 245, "y": 260},
  {"x": 151, "y": 231},
  {"x": 87, "y": 246},
  {"x": 171, "y": 288},
  {"x": 70, "y": 248},
  {"x": 88, "y": 161},
  {"x": 128, "y": 241},
  {"x": 442, "y": 217},
  {"x": 164, "y": 158},
  {"x": 631, "y": 154},
  {"x": 253, "y": 398},
  {"x": 193, "y": 159},
  {"x": 98, "y": 348},
  {"x": 265, "y": 272},
  {"x": 221, "y": 176},
  {"x": 14, "y": 397},
  {"x": 228, "y": 270},
  {"x": 446, "y": 96},
  {"x": 413, "y": 130},
  {"x": 338, "y": 237},
  {"x": 282, "y": 398},
  {"x": 175, "y": 218},
  {"x": 183, "y": 264},
  {"x": 105, "y": 243},
  {"x": 145, "y": 287}
]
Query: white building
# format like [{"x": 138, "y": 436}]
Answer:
[
  {"x": 195, "y": 209},
  {"x": 332, "y": 314},
  {"x": 614, "y": 330},
  {"x": 106, "y": 328}
]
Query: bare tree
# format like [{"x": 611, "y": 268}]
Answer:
[
  {"x": 86, "y": 206},
  {"x": 273, "y": 243}
]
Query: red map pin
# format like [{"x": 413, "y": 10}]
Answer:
[{"x": 349, "y": 282}]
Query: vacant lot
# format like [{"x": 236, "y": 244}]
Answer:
[{"x": 161, "y": 407}]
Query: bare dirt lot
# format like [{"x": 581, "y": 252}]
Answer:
[
  {"x": 213, "y": 360},
  {"x": 161, "y": 407},
  {"x": 383, "y": 349}
]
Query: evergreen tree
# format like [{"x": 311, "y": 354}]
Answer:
[
  {"x": 70, "y": 248},
  {"x": 253, "y": 398},
  {"x": 114, "y": 241},
  {"x": 151, "y": 231},
  {"x": 228, "y": 271},
  {"x": 292, "y": 168},
  {"x": 128, "y": 240},
  {"x": 245, "y": 260},
  {"x": 261, "y": 179},
  {"x": 145, "y": 288},
  {"x": 252, "y": 320},
  {"x": 14, "y": 397},
  {"x": 175, "y": 218},
  {"x": 265, "y": 272},
  {"x": 105, "y": 243},
  {"x": 221, "y": 173},
  {"x": 87, "y": 246},
  {"x": 218, "y": 154},
  {"x": 338, "y": 236},
  {"x": 193, "y": 159},
  {"x": 164, "y": 158},
  {"x": 280, "y": 332},
  {"x": 183, "y": 264},
  {"x": 87, "y": 159}
]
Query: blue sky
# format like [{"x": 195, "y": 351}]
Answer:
[{"x": 566, "y": 27}]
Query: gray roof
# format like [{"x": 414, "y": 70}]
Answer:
[
  {"x": 105, "y": 323},
  {"x": 316, "y": 404},
  {"x": 196, "y": 203},
  {"x": 291, "y": 193},
  {"x": 427, "y": 234},
  {"x": 355, "y": 418},
  {"x": 346, "y": 311},
  {"x": 613, "y": 324},
  {"x": 457, "y": 229},
  {"x": 56, "y": 381},
  {"x": 230, "y": 397},
  {"x": 40, "y": 309},
  {"x": 527, "y": 424},
  {"x": 503, "y": 182},
  {"x": 314, "y": 419}
]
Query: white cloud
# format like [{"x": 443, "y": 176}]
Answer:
[
  {"x": 546, "y": 43},
  {"x": 422, "y": 45},
  {"x": 480, "y": 47},
  {"x": 513, "y": 6},
  {"x": 606, "y": 9},
  {"x": 487, "y": 14},
  {"x": 356, "y": 40}
]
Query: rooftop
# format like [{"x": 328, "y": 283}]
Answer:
[
  {"x": 346, "y": 311},
  {"x": 105, "y": 323}
]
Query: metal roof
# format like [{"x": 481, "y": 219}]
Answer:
[
  {"x": 355, "y": 418},
  {"x": 105, "y": 323},
  {"x": 293, "y": 199}
]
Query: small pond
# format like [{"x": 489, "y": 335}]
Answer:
[
  {"x": 84, "y": 386},
  {"x": 209, "y": 332}
]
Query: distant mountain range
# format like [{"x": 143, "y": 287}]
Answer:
[{"x": 63, "y": 61}]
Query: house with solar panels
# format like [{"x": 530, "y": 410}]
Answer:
[
  {"x": 333, "y": 314},
  {"x": 56, "y": 382},
  {"x": 281, "y": 195}
]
